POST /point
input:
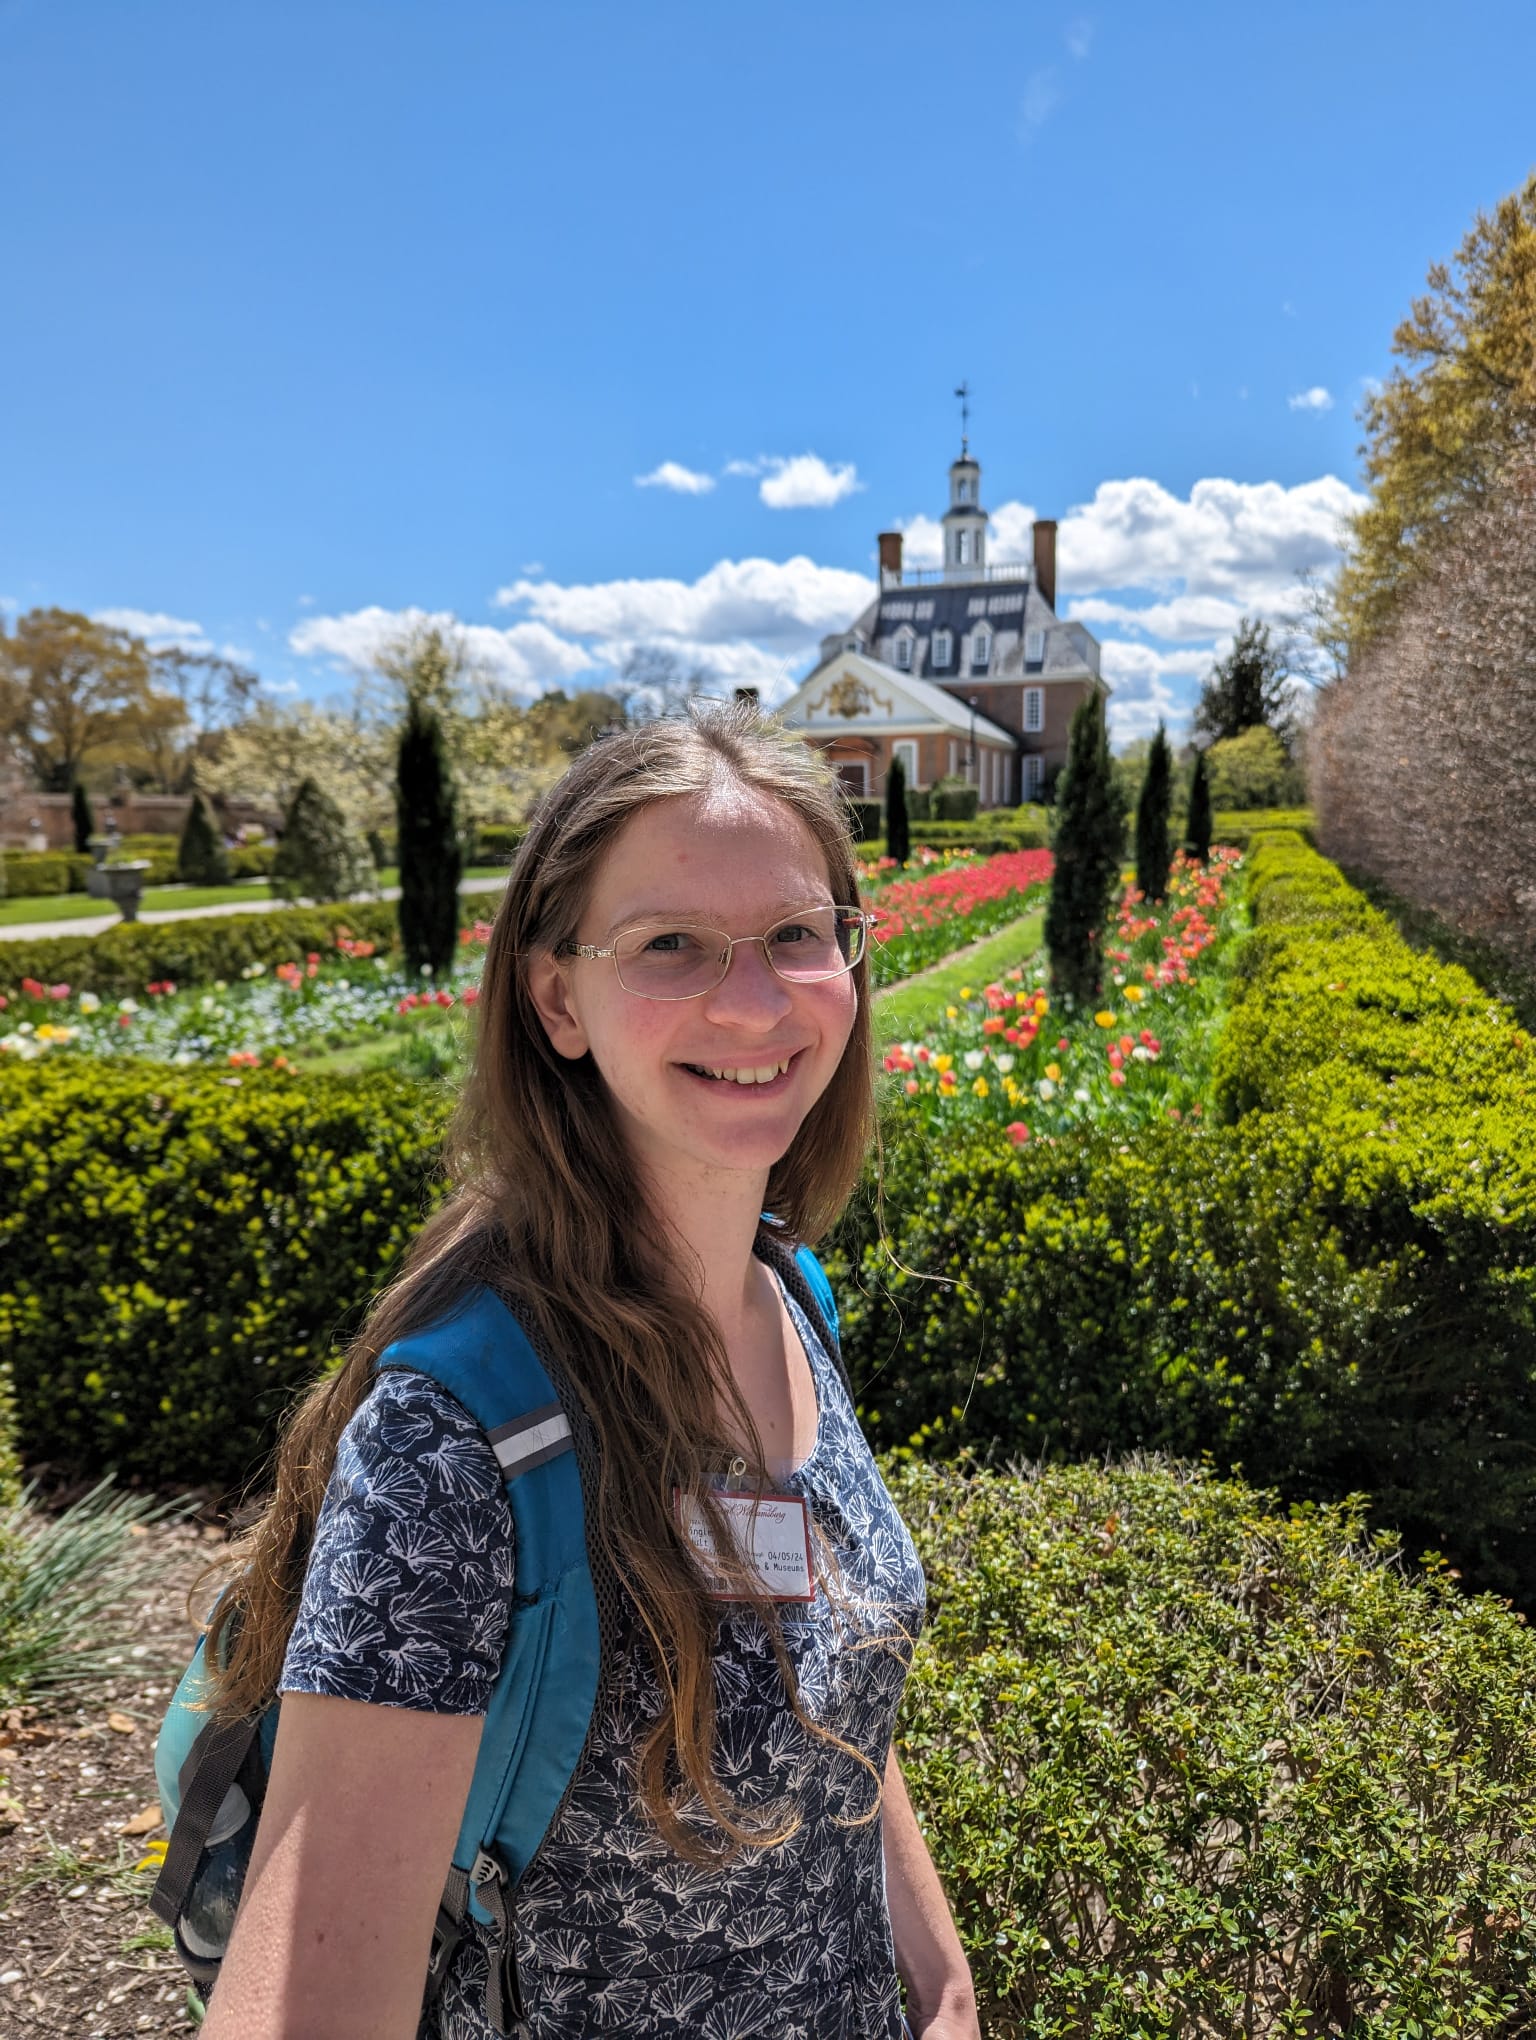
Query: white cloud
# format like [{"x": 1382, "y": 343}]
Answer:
[
  {"x": 1314, "y": 399},
  {"x": 525, "y": 658},
  {"x": 807, "y": 482},
  {"x": 1142, "y": 697},
  {"x": 159, "y": 631},
  {"x": 788, "y": 604},
  {"x": 1079, "y": 37},
  {"x": 673, "y": 475},
  {"x": 1042, "y": 93},
  {"x": 1183, "y": 616},
  {"x": 745, "y": 467}
]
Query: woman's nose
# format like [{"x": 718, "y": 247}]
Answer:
[{"x": 751, "y": 985}]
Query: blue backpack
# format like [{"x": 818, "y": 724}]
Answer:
[{"x": 566, "y": 1617}]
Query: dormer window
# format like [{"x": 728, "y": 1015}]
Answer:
[
  {"x": 981, "y": 648},
  {"x": 1034, "y": 647},
  {"x": 901, "y": 650},
  {"x": 943, "y": 650}
]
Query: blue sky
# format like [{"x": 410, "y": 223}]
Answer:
[{"x": 314, "y": 315}]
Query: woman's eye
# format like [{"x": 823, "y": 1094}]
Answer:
[
  {"x": 794, "y": 931},
  {"x": 672, "y": 942}
]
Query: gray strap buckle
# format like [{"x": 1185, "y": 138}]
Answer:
[{"x": 503, "y": 1991}]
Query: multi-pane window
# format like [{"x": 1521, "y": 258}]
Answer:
[
  {"x": 943, "y": 650},
  {"x": 981, "y": 649},
  {"x": 1034, "y": 708},
  {"x": 1034, "y": 647},
  {"x": 902, "y": 650}
]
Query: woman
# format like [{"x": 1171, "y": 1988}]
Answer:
[{"x": 736, "y": 1854}]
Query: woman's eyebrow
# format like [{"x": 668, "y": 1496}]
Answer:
[{"x": 705, "y": 917}]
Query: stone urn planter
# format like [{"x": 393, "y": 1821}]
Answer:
[{"x": 121, "y": 883}]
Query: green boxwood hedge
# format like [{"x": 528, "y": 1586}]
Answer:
[
  {"x": 1189, "y": 1765},
  {"x": 1334, "y": 1286},
  {"x": 127, "y": 957},
  {"x": 178, "y": 1249}
]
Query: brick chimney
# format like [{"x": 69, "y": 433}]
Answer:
[
  {"x": 890, "y": 559},
  {"x": 1045, "y": 558}
]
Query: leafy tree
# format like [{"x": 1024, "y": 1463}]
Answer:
[
  {"x": 1250, "y": 687},
  {"x": 653, "y": 681},
  {"x": 75, "y": 693},
  {"x": 431, "y": 857},
  {"x": 200, "y": 856},
  {"x": 1090, "y": 836},
  {"x": 1197, "y": 825},
  {"x": 1152, "y": 813},
  {"x": 1461, "y": 403},
  {"x": 268, "y": 756},
  {"x": 1252, "y": 771},
  {"x": 898, "y": 832},
  {"x": 203, "y": 695},
  {"x": 84, "y": 819},
  {"x": 318, "y": 856}
]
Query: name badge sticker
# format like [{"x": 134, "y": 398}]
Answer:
[{"x": 773, "y": 1537}]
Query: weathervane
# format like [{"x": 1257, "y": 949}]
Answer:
[{"x": 964, "y": 394}]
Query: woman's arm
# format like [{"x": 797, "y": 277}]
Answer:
[
  {"x": 941, "y": 1999},
  {"x": 335, "y": 1923}
]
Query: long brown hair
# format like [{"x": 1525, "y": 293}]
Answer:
[{"x": 547, "y": 1205}]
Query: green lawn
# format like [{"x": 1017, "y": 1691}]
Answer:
[
  {"x": 906, "y": 1005},
  {"x": 164, "y": 898}
]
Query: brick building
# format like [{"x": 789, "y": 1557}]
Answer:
[{"x": 965, "y": 669}]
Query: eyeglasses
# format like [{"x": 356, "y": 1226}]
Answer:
[{"x": 678, "y": 960}]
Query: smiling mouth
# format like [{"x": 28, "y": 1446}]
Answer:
[{"x": 745, "y": 1076}]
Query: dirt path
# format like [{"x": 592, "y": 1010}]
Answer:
[{"x": 81, "y": 1955}]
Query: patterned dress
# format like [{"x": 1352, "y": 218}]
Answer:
[{"x": 406, "y": 1604}]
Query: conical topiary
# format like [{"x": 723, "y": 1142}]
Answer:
[
  {"x": 1152, "y": 806},
  {"x": 317, "y": 855},
  {"x": 1090, "y": 838},
  {"x": 201, "y": 858},
  {"x": 83, "y": 818},
  {"x": 430, "y": 850},
  {"x": 1197, "y": 827},
  {"x": 898, "y": 830}
]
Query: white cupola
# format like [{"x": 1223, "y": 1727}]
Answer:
[{"x": 965, "y": 522}]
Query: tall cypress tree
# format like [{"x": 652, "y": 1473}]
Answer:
[
  {"x": 84, "y": 820},
  {"x": 1152, "y": 813},
  {"x": 431, "y": 855},
  {"x": 200, "y": 856},
  {"x": 1090, "y": 837},
  {"x": 898, "y": 832},
  {"x": 1197, "y": 829}
]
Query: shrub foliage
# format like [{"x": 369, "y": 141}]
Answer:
[
  {"x": 1191, "y": 1766},
  {"x": 179, "y": 1248},
  {"x": 1334, "y": 1286}
]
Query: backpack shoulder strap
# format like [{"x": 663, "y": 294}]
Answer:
[{"x": 806, "y": 1280}]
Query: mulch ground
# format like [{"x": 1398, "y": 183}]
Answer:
[{"x": 80, "y": 1952}]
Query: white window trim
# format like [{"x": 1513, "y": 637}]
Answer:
[
  {"x": 947, "y": 639},
  {"x": 1032, "y": 773},
  {"x": 954, "y": 757},
  {"x": 1034, "y": 709},
  {"x": 860, "y": 765},
  {"x": 1034, "y": 647},
  {"x": 901, "y": 648},
  {"x": 905, "y": 748},
  {"x": 981, "y": 649}
]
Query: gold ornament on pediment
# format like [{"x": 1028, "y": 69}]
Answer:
[{"x": 852, "y": 697}]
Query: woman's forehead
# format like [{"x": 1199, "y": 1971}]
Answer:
[{"x": 727, "y": 850}]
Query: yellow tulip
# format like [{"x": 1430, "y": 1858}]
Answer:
[
  {"x": 1104, "y": 1019},
  {"x": 1135, "y": 994},
  {"x": 942, "y": 1063},
  {"x": 980, "y": 1087},
  {"x": 1053, "y": 1071},
  {"x": 952, "y": 1012}
]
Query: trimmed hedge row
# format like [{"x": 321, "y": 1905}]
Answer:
[
  {"x": 1335, "y": 1288},
  {"x": 129, "y": 956},
  {"x": 1189, "y": 1765},
  {"x": 178, "y": 1250}
]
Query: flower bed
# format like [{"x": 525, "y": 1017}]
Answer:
[
  {"x": 923, "y": 919},
  {"x": 316, "y": 1001},
  {"x": 1001, "y": 1058}
]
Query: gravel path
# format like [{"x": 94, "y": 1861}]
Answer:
[{"x": 81, "y": 1955}]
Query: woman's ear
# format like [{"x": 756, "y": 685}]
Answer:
[{"x": 550, "y": 990}]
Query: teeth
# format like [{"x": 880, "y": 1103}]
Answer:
[{"x": 764, "y": 1075}]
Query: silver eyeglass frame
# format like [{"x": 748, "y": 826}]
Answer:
[{"x": 594, "y": 951}]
